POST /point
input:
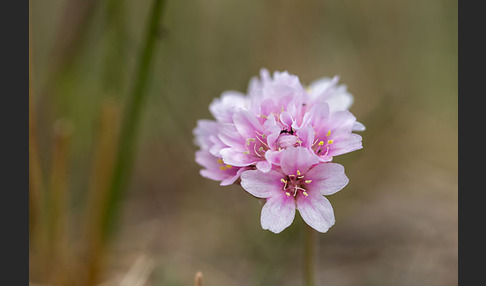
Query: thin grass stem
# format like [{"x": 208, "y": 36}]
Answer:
[{"x": 131, "y": 118}]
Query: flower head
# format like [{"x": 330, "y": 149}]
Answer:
[{"x": 280, "y": 138}]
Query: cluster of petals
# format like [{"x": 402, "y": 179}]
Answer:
[{"x": 278, "y": 140}]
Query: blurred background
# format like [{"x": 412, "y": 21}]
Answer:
[{"x": 396, "y": 220}]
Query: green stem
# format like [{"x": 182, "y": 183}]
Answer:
[
  {"x": 129, "y": 127},
  {"x": 310, "y": 249}
]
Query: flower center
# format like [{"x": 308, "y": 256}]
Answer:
[
  {"x": 256, "y": 146},
  {"x": 288, "y": 138},
  {"x": 293, "y": 184},
  {"x": 321, "y": 147}
]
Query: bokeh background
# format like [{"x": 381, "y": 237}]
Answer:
[{"x": 396, "y": 221}]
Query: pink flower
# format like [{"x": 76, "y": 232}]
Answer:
[
  {"x": 300, "y": 183},
  {"x": 209, "y": 158},
  {"x": 279, "y": 113}
]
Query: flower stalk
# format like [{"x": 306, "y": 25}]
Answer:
[{"x": 310, "y": 261}]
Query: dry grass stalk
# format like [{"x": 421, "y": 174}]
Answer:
[
  {"x": 198, "y": 279},
  {"x": 102, "y": 171}
]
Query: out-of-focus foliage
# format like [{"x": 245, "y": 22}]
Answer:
[{"x": 396, "y": 221}]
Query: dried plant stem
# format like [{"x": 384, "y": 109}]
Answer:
[
  {"x": 198, "y": 279},
  {"x": 310, "y": 249},
  {"x": 58, "y": 202},
  {"x": 104, "y": 159},
  {"x": 35, "y": 172},
  {"x": 128, "y": 133}
]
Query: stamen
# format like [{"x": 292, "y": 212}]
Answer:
[
  {"x": 222, "y": 168},
  {"x": 288, "y": 194},
  {"x": 308, "y": 181},
  {"x": 305, "y": 193},
  {"x": 298, "y": 172},
  {"x": 328, "y": 133},
  {"x": 319, "y": 147},
  {"x": 256, "y": 152},
  {"x": 284, "y": 181},
  {"x": 263, "y": 142},
  {"x": 300, "y": 177},
  {"x": 220, "y": 161},
  {"x": 249, "y": 140},
  {"x": 330, "y": 141},
  {"x": 261, "y": 134},
  {"x": 327, "y": 151},
  {"x": 229, "y": 166}
]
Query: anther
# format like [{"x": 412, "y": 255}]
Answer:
[
  {"x": 308, "y": 181},
  {"x": 298, "y": 172},
  {"x": 330, "y": 141},
  {"x": 305, "y": 193}
]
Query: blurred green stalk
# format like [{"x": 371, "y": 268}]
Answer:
[
  {"x": 128, "y": 133},
  {"x": 310, "y": 242}
]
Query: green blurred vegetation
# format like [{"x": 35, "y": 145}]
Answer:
[{"x": 396, "y": 221}]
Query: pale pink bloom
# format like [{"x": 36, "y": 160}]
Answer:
[
  {"x": 209, "y": 156},
  {"x": 216, "y": 169},
  {"x": 300, "y": 183},
  {"x": 336, "y": 96},
  {"x": 224, "y": 107},
  {"x": 252, "y": 131},
  {"x": 279, "y": 113}
]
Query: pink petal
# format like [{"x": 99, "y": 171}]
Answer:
[
  {"x": 223, "y": 108},
  {"x": 246, "y": 124},
  {"x": 295, "y": 159},
  {"x": 316, "y": 211},
  {"x": 327, "y": 178},
  {"x": 229, "y": 135},
  {"x": 236, "y": 158},
  {"x": 264, "y": 166},
  {"x": 278, "y": 213},
  {"x": 262, "y": 185},
  {"x": 358, "y": 126},
  {"x": 341, "y": 146},
  {"x": 203, "y": 131},
  {"x": 231, "y": 179}
]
